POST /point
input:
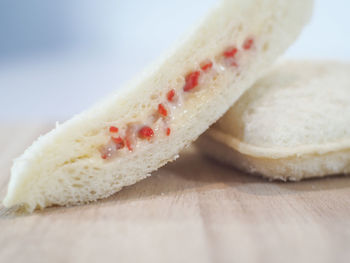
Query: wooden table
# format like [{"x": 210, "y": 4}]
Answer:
[{"x": 193, "y": 210}]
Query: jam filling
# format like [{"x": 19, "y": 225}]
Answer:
[
  {"x": 170, "y": 95},
  {"x": 192, "y": 80},
  {"x": 127, "y": 137}
]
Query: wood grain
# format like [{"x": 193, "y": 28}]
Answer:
[{"x": 192, "y": 210}]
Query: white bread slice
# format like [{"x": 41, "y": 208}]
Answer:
[
  {"x": 292, "y": 124},
  {"x": 65, "y": 167}
]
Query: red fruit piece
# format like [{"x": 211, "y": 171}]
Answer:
[
  {"x": 162, "y": 110},
  {"x": 146, "y": 132},
  {"x": 170, "y": 95},
  {"x": 206, "y": 65},
  {"x": 230, "y": 52},
  {"x": 192, "y": 80},
  {"x": 113, "y": 129},
  {"x": 168, "y": 131},
  {"x": 248, "y": 44},
  {"x": 119, "y": 142}
]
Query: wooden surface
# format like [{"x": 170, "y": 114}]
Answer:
[{"x": 193, "y": 210}]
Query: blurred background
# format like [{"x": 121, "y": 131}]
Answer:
[{"x": 58, "y": 57}]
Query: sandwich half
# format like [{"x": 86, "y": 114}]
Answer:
[
  {"x": 140, "y": 128},
  {"x": 292, "y": 124}
]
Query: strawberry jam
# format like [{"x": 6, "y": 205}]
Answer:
[
  {"x": 170, "y": 95},
  {"x": 162, "y": 111},
  {"x": 146, "y": 132},
  {"x": 207, "y": 65},
  {"x": 125, "y": 139},
  {"x": 230, "y": 52},
  {"x": 191, "y": 80},
  {"x": 248, "y": 44}
]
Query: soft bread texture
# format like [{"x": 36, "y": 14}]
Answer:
[
  {"x": 64, "y": 167},
  {"x": 292, "y": 124}
]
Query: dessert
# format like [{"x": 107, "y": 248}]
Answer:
[
  {"x": 124, "y": 138},
  {"x": 292, "y": 124}
]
